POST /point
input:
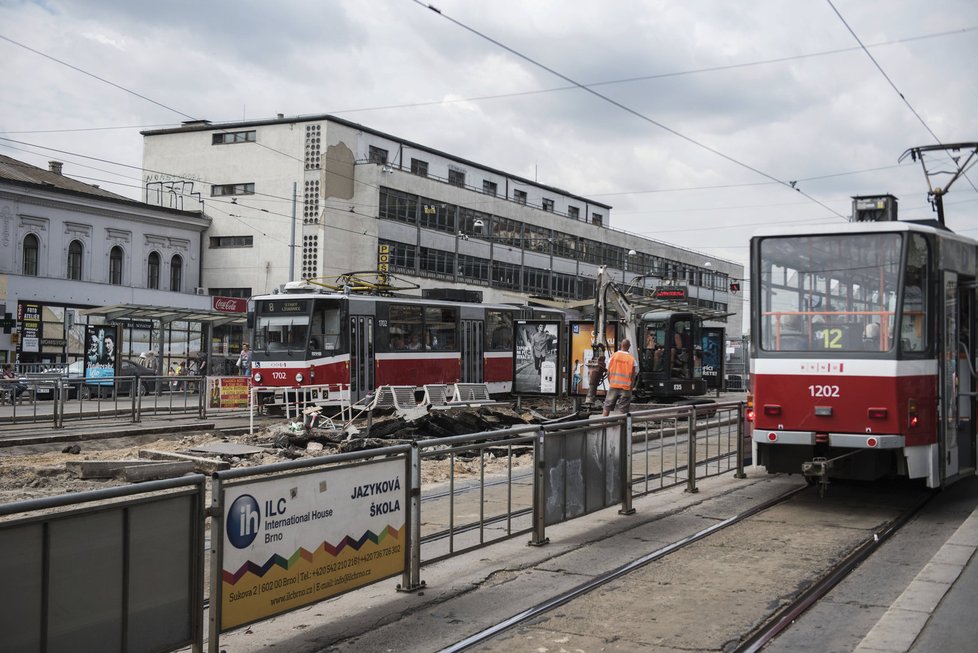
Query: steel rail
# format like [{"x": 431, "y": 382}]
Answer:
[
  {"x": 783, "y": 618},
  {"x": 607, "y": 577}
]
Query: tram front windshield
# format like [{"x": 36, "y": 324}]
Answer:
[
  {"x": 291, "y": 326},
  {"x": 835, "y": 293}
]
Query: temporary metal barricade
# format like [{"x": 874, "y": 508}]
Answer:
[{"x": 119, "y": 569}]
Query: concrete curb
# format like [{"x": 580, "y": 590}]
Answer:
[{"x": 899, "y": 627}]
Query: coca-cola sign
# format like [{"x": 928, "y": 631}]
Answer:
[{"x": 230, "y": 304}]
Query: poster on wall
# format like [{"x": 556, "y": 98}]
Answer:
[
  {"x": 581, "y": 353},
  {"x": 713, "y": 338},
  {"x": 536, "y": 363},
  {"x": 101, "y": 353}
]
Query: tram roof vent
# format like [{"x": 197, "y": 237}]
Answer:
[
  {"x": 874, "y": 208},
  {"x": 453, "y": 294}
]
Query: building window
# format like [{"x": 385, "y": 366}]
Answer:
[
  {"x": 403, "y": 257},
  {"x": 75, "y": 260},
  {"x": 31, "y": 249},
  {"x": 519, "y": 196},
  {"x": 489, "y": 187},
  {"x": 548, "y": 204},
  {"x": 378, "y": 155},
  {"x": 115, "y": 266},
  {"x": 436, "y": 262},
  {"x": 230, "y": 292},
  {"x": 219, "y": 242},
  {"x": 473, "y": 269},
  {"x": 456, "y": 178},
  {"x": 220, "y": 190},
  {"x": 574, "y": 212},
  {"x": 228, "y": 138},
  {"x": 176, "y": 273},
  {"x": 398, "y": 206},
  {"x": 597, "y": 218},
  {"x": 438, "y": 216},
  {"x": 153, "y": 271},
  {"x": 419, "y": 167}
]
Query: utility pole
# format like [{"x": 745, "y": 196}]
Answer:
[{"x": 292, "y": 242}]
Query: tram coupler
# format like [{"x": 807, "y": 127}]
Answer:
[{"x": 817, "y": 471}]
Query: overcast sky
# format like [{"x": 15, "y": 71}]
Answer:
[{"x": 707, "y": 104}]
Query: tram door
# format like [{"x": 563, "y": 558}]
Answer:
[
  {"x": 966, "y": 435},
  {"x": 472, "y": 351},
  {"x": 361, "y": 356}
]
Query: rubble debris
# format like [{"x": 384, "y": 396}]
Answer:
[
  {"x": 89, "y": 469},
  {"x": 201, "y": 465},
  {"x": 153, "y": 471}
]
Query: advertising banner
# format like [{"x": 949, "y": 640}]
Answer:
[
  {"x": 535, "y": 360},
  {"x": 294, "y": 540},
  {"x": 713, "y": 343},
  {"x": 29, "y": 316},
  {"x": 227, "y": 391},
  {"x": 581, "y": 353},
  {"x": 101, "y": 353}
]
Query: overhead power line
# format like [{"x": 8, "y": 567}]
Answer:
[{"x": 627, "y": 109}]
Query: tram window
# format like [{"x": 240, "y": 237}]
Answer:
[
  {"x": 326, "y": 326},
  {"x": 405, "y": 327},
  {"x": 913, "y": 323},
  {"x": 821, "y": 293},
  {"x": 499, "y": 328},
  {"x": 282, "y": 325},
  {"x": 440, "y": 328}
]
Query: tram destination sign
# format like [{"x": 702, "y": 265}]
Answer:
[{"x": 284, "y": 306}]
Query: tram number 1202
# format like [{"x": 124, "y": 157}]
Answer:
[{"x": 824, "y": 390}]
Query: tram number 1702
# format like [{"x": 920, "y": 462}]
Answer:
[{"x": 824, "y": 390}]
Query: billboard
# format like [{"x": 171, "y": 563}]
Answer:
[
  {"x": 536, "y": 364},
  {"x": 713, "y": 355},
  {"x": 293, "y": 540},
  {"x": 228, "y": 391},
  {"x": 101, "y": 353},
  {"x": 581, "y": 352}
]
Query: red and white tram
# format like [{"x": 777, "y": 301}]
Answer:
[
  {"x": 863, "y": 351},
  {"x": 304, "y": 337}
]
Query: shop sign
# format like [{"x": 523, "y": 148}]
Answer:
[{"x": 230, "y": 304}]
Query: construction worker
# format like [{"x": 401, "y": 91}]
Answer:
[{"x": 622, "y": 373}]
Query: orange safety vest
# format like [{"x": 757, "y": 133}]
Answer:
[{"x": 621, "y": 370}]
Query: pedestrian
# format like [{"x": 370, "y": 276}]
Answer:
[
  {"x": 597, "y": 368},
  {"x": 244, "y": 360},
  {"x": 16, "y": 385},
  {"x": 622, "y": 374}
]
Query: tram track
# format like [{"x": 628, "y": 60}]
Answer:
[
  {"x": 542, "y": 619},
  {"x": 782, "y": 620}
]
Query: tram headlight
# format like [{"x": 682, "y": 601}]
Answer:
[
  {"x": 258, "y": 378},
  {"x": 299, "y": 378}
]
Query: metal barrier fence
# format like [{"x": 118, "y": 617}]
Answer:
[
  {"x": 123, "y": 398},
  {"x": 294, "y": 533},
  {"x": 119, "y": 569}
]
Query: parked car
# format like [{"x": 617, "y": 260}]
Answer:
[{"x": 74, "y": 375}]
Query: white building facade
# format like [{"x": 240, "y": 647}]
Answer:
[
  {"x": 318, "y": 196},
  {"x": 69, "y": 249}
]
